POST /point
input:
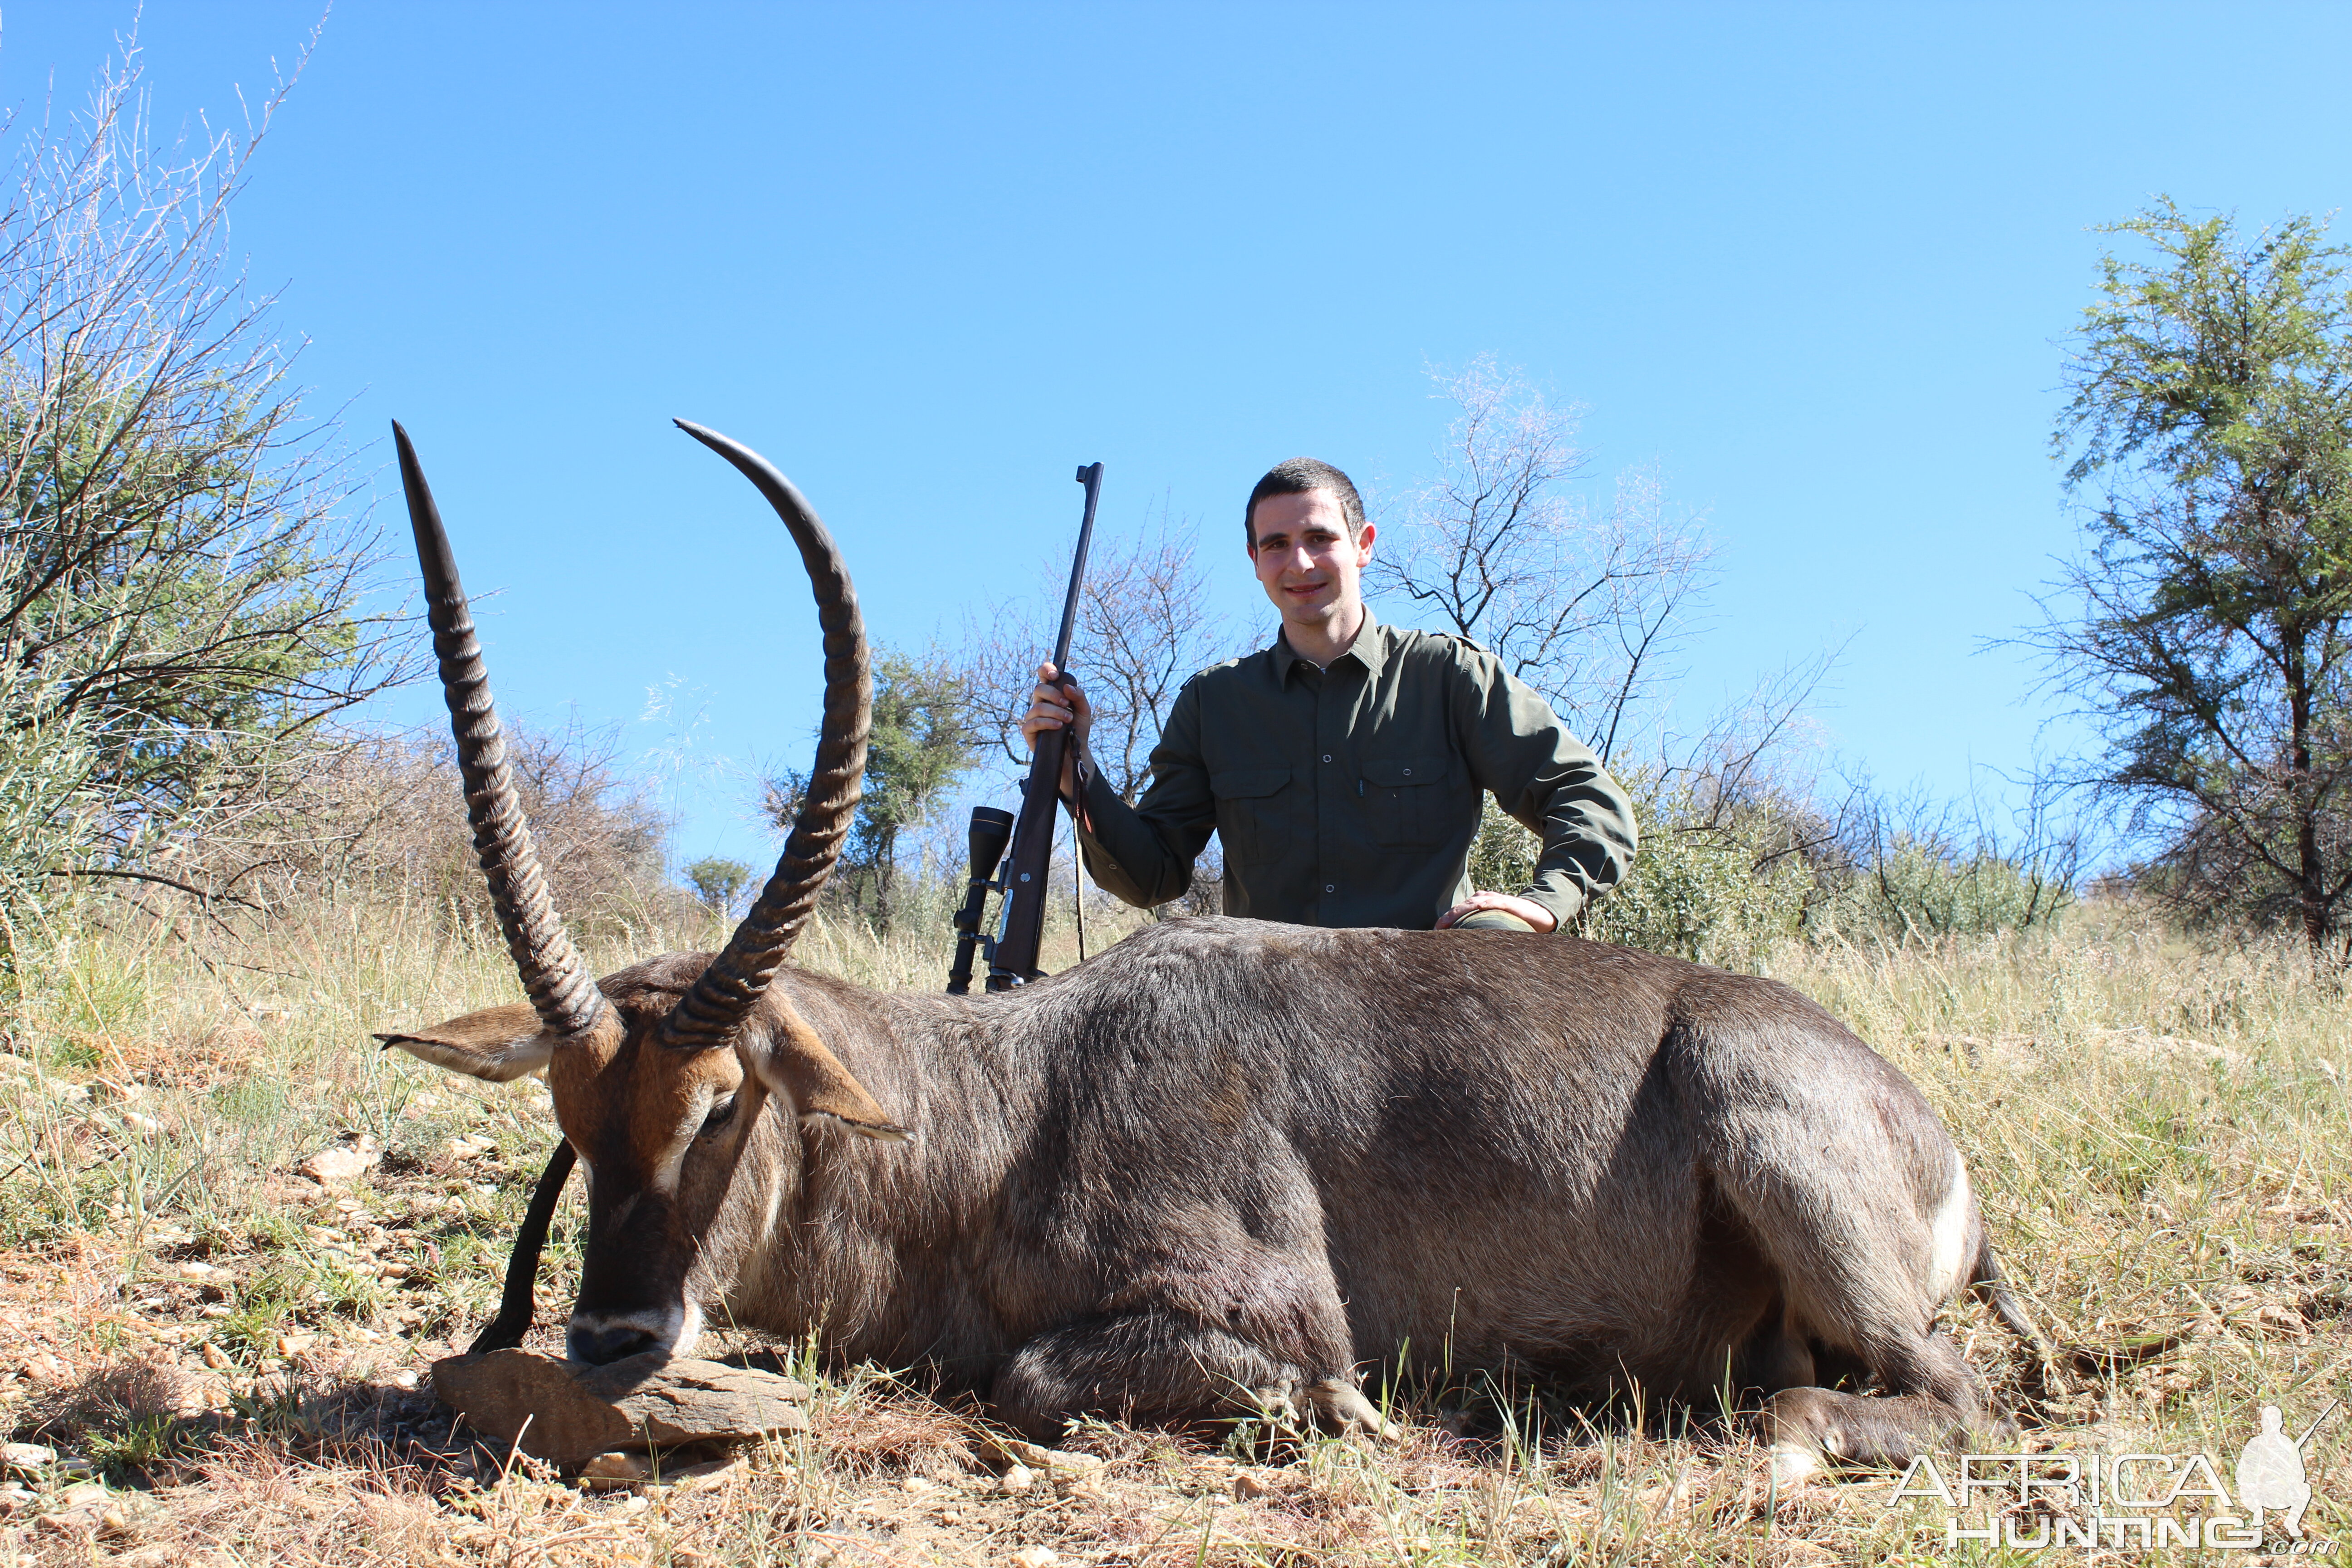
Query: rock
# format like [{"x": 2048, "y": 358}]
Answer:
[
  {"x": 76, "y": 1511},
  {"x": 610, "y": 1472},
  {"x": 1000, "y": 1452},
  {"x": 126, "y": 1512},
  {"x": 567, "y": 1414},
  {"x": 1034, "y": 1557},
  {"x": 2167, "y": 1050},
  {"x": 711, "y": 1472},
  {"x": 340, "y": 1165},
  {"x": 1019, "y": 1478},
  {"x": 15, "y": 1499},
  {"x": 27, "y": 1460},
  {"x": 1249, "y": 1485}
]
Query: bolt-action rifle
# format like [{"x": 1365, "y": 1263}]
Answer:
[{"x": 1013, "y": 953}]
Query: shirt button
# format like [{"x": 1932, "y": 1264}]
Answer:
[
  {"x": 1407, "y": 772},
  {"x": 1331, "y": 887},
  {"x": 1327, "y": 756}
]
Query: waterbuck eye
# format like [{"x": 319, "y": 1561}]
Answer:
[{"x": 720, "y": 1115}]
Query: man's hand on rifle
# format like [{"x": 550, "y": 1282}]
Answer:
[{"x": 1057, "y": 707}]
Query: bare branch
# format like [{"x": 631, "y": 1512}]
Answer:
[{"x": 1586, "y": 601}]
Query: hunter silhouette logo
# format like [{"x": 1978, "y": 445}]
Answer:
[
  {"x": 2154, "y": 1501},
  {"x": 2269, "y": 1472}
]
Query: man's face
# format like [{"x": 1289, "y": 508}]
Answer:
[{"x": 1305, "y": 560}]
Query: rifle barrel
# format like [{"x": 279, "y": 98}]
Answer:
[{"x": 1091, "y": 477}]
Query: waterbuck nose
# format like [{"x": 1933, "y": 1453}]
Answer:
[{"x": 598, "y": 1343}]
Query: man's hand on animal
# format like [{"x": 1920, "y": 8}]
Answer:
[
  {"x": 1054, "y": 706},
  {"x": 1536, "y": 917}
]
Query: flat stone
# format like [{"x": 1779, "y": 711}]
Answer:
[
  {"x": 1005, "y": 1452},
  {"x": 340, "y": 1163},
  {"x": 568, "y": 1413},
  {"x": 25, "y": 1458}
]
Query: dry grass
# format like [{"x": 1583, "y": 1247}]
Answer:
[{"x": 2159, "y": 1131}]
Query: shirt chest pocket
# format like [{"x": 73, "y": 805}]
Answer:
[
  {"x": 1406, "y": 801},
  {"x": 1256, "y": 812}
]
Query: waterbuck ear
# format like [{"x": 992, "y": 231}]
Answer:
[
  {"x": 497, "y": 1043},
  {"x": 797, "y": 1066}
]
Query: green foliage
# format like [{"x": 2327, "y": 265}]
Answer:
[
  {"x": 48, "y": 805},
  {"x": 927, "y": 734},
  {"x": 1709, "y": 891},
  {"x": 180, "y": 589},
  {"x": 2205, "y": 629},
  {"x": 1711, "y": 886},
  {"x": 1919, "y": 885},
  {"x": 718, "y": 883},
  {"x": 1724, "y": 884}
]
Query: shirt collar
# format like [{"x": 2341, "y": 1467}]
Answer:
[{"x": 1370, "y": 650}]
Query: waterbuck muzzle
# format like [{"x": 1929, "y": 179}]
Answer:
[{"x": 656, "y": 1089}]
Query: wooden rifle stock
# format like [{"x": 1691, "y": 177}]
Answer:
[{"x": 1012, "y": 957}]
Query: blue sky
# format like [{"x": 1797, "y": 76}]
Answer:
[{"x": 1816, "y": 262}]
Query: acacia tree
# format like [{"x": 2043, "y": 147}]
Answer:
[
  {"x": 180, "y": 577},
  {"x": 925, "y": 739},
  {"x": 2203, "y": 623}
]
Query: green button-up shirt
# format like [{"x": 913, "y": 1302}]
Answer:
[{"x": 1349, "y": 795}]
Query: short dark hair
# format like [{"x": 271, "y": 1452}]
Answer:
[{"x": 1295, "y": 477}]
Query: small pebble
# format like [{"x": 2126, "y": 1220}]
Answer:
[
  {"x": 1018, "y": 1479},
  {"x": 26, "y": 1458}
]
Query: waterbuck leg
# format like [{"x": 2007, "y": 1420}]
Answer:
[
  {"x": 1807, "y": 1426},
  {"x": 1154, "y": 1365},
  {"x": 1935, "y": 1398},
  {"x": 508, "y": 1330}
]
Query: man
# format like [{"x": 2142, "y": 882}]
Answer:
[{"x": 1342, "y": 768}]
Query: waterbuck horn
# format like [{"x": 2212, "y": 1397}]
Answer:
[
  {"x": 563, "y": 993},
  {"x": 724, "y": 995}
]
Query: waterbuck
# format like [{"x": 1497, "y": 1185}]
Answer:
[{"x": 1226, "y": 1163}]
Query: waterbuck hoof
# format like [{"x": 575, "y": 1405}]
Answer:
[
  {"x": 1794, "y": 1464},
  {"x": 1344, "y": 1406}
]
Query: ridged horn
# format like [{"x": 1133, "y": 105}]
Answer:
[
  {"x": 724, "y": 995},
  {"x": 563, "y": 993}
]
